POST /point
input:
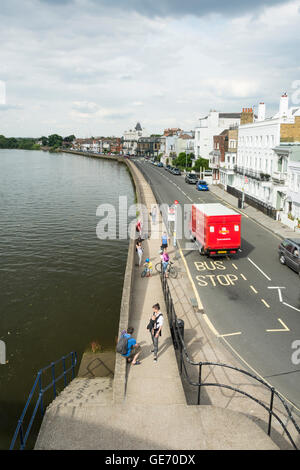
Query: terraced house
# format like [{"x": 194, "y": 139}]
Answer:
[{"x": 262, "y": 164}]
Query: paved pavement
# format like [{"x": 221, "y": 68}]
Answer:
[
  {"x": 258, "y": 322},
  {"x": 259, "y": 217},
  {"x": 155, "y": 414}
]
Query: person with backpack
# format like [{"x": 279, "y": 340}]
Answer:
[
  {"x": 157, "y": 320},
  {"x": 128, "y": 347}
]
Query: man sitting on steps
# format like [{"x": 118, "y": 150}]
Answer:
[{"x": 133, "y": 348}]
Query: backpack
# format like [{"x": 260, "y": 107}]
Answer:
[{"x": 122, "y": 345}]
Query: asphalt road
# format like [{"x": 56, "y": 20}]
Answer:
[{"x": 240, "y": 295}]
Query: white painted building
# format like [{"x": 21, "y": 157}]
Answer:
[
  {"x": 131, "y": 137},
  {"x": 211, "y": 125},
  {"x": 288, "y": 175},
  {"x": 258, "y": 164}
]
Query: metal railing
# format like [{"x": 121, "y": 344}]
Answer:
[
  {"x": 40, "y": 388},
  {"x": 184, "y": 359},
  {"x": 252, "y": 201}
]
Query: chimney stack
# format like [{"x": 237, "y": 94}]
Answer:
[
  {"x": 261, "y": 112},
  {"x": 284, "y": 105},
  {"x": 247, "y": 116}
]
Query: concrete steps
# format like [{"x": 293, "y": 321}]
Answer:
[{"x": 144, "y": 427}]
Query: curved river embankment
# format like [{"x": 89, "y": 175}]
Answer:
[{"x": 61, "y": 286}]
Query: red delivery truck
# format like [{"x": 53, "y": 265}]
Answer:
[{"x": 216, "y": 229}]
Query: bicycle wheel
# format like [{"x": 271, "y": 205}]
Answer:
[
  {"x": 173, "y": 272},
  {"x": 158, "y": 267},
  {"x": 143, "y": 273}
]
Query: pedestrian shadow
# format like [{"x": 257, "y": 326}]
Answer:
[{"x": 147, "y": 347}]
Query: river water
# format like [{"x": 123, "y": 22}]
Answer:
[{"x": 61, "y": 286}]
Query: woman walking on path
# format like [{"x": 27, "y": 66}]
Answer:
[
  {"x": 165, "y": 262},
  {"x": 139, "y": 250},
  {"x": 157, "y": 320}
]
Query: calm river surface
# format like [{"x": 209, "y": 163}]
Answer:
[{"x": 61, "y": 286}]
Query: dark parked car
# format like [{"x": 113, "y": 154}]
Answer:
[
  {"x": 191, "y": 178},
  {"x": 289, "y": 253},
  {"x": 167, "y": 167},
  {"x": 159, "y": 164},
  {"x": 176, "y": 171}
]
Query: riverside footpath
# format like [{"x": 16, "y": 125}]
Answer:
[{"x": 143, "y": 407}]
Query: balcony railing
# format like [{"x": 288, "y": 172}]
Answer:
[{"x": 279, "y": 177}]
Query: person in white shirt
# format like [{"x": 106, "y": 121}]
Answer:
[{"x": 158, "y": 321}]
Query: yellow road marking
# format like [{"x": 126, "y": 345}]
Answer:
[
  {"x": 230, "y": 334},
  {"x": 285, "y": 328},
  {"x": 242, "y": 275},
  {"x": 200, "y": 306},
  {"x": 254, "y": 290},
  {"x": 266, "y": 304},
  {"x": 209, "y": 323}
]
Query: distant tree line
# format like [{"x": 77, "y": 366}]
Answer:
[
  {"x": 18, "y": 143},
  {"x": 54, "y": 141}
]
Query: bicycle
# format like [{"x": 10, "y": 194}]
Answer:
[{"x": 171, "y": 270}]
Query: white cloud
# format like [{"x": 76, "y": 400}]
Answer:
[{"x": 84, "y": 68}]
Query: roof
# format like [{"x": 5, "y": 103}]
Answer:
[
  {"x": 138, "y": 127},
  {"x": 215, "y": 209},
  {"x": 230, "y": 115}
]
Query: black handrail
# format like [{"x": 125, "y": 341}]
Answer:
[{"x": 183, "y": 355}]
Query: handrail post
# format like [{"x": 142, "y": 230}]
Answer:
[
  {"x": 271, "y": 411},
  {"x": 53, "y": 378},
  {"x": 199, "y": 382}
]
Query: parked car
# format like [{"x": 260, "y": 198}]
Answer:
[
  {"x": 160, "y": 164},
  {"x": 167, "y": 167},
  {"x": 176, "y": 171},
  {"x": 171, "y": 168},
  {"x": 191, "y": 178},
  {"x": 289, "y": 253},
  {"x": 201, "y": 185}
]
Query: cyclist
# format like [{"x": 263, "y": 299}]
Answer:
[{"x": 165, "y": 261}]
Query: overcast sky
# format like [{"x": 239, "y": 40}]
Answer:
[{"x": 96, "y": 67}]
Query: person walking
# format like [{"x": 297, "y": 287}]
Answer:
[
  {"x": 138, "y": 227},
  {"x": 133, "y": 348},
  {"x": 164, "y": 240},
  {"x": 154, "y": 214},
  {"x": 139, "y": 250},
  {"x": 158, "y": 321}
]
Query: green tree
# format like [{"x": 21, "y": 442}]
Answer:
[
  {"x": 55, "y": 140},
  {"x": 201, "y": 163},
  {"x": 183, "y": 160}
]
